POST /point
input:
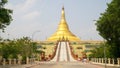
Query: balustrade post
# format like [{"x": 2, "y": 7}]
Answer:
[
  {"x": 19, "y": 59},
  {"x": 99, "y": 60},
  {"x": 118, "y": 60},
  {"x": 113, "y": 61},
  {"x": 10, "y": 61},
  {"x": 14, "y": 60},
  {"x": 27, "y": 60},
  {"x": 109, "y": 60}
]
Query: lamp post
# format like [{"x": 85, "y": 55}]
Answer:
[
  {"x": 105, "y": 54},
  {"x": 34, "y": 34},
  {"x": 33, "y": 40}
]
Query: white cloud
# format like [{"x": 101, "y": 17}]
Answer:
[
  {"x": 28, "y": 4},
  {"x": 24, "y": 11},
  {"x": 24, "y": 18},
  {"x": 31, "y": 15},
  {"x": 25, "y": 6}
]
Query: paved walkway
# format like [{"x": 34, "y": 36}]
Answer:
[{"x": 57, "y": 65}]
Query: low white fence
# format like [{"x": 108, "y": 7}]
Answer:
[
  {"x": 107, "y": 61},
  {"x": 16, "y": 61}
]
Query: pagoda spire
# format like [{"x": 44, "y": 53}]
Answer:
[
  {"x": 63, "y": 14},
  {"x": 63, "y": 32}
]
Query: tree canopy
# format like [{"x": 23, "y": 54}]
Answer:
[
  {"x": 108, "y": 26},
  {"x": 12, "y": 48},
  {"x": 100, "y": 52},
  {"x": 5, "y": 15}
]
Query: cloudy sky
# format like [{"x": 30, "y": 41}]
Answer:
[{"x": 40, "y": 18}]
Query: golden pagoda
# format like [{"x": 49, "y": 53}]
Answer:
[{"x": 63, "y": 32}]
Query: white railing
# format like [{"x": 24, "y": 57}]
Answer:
[
  {"x": 16, "y": 61},
  {"x": 106, "y": 61}
]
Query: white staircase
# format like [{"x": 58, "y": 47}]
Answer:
[{"x": 63, "y": 52}]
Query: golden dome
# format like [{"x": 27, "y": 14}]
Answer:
[{"x": 63, "y": 32}]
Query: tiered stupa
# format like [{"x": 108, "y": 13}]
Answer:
[{"x": 63, "y": 32}]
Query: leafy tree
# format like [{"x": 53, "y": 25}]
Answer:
[
  {"x": 108, "y": 26},
  {"x": 5, "y": 15},
  {"x": 9, "y": 50},
  {"x": 26, "y": 47},
  {"x": 12, "y": 48},
  {"x": 98, "y": 52}
]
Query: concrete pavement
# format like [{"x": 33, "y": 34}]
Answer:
[
  {"x": 57, "y": 65},
  {"x": 67, "y": 65}
]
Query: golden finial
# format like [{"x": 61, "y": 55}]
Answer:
[
  {"x": 63, "y": 8},
  {"x": 63, "y": 14}
]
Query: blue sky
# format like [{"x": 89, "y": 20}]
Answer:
[{"x": 30, "y": 16}]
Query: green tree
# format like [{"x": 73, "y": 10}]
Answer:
[
  {"x": 98, "y": 52},
  {"x": 26, "y": 47},
  {"x": 5, "y": 15},
  {"x": 108, "y": 26},
  {"x": 12, "y": 48}
]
